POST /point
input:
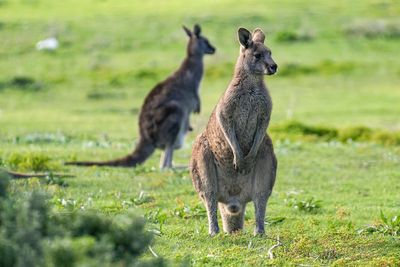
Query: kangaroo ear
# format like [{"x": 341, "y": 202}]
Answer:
[
  {"x": 197, "y": 30},
  {"x": 244, "y": 37},
  {"x": 258, "y": 35},
  {"x": 188, "y": 32}
]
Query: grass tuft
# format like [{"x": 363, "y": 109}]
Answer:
[
  {"x": 309, "y": 205},
  {"x": 386, "y": 226},
  {"x": 29, "y": 161}
]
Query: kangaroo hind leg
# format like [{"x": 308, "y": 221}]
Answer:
[
  {"x": 204, "y": 177},
  {"x": 265, "y": 174}
]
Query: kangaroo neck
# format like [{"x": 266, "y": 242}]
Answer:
[
  {"x": 193, "y": 64},
  {"x": 243, "y": 76}
]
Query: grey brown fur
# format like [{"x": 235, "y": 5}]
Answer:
[
  {"x": 164, "y": 117},
  {"x": 233, "y": 160}
]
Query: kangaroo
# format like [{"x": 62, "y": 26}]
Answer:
[
  {"x": 164, "y": 117},
  {"x": 233, "y": 160}
]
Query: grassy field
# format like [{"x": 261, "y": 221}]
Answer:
[{"x": 339, "y": 70}]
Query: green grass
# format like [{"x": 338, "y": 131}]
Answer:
[{"x": 335, "y": 122}]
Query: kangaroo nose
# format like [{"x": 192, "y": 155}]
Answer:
[{"x": 274, "y": 67}]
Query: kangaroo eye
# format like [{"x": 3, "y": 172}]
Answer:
[{"x": 257, "y": 56}]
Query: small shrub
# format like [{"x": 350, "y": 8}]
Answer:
[
  {"x": 355, "y": 134},
  {"x": 298, "y": 128},
  {"x": 142, "y": 199},
  {"x": 61, "y": 253},
  {"x": 157, "y": 216},
  {"x": 29, "y": 161},
  {"x": 187, "y": 212},
  {"x": 129, "y": 237},
  {"x": 25, "y": 83},
  {"x": 386, "y": 226},
  {"x": 309, "y": 205},
  {"x": 92, "y": 224},
  {"x": 386, "y": 138},
  {"x": 52, "y": 180}
]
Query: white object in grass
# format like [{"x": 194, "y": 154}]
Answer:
[{"x": 47, "y": 44}]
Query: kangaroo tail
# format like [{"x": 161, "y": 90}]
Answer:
[
  {"x": 142, "y": 151},
  {"x": 18, "y": 175}
]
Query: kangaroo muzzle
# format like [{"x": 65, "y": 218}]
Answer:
[{"x": 271, "y": 69}]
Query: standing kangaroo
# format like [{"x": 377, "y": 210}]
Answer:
[
  {"x": 164, "y": 118},
  {"x": 233, "y": 160}
]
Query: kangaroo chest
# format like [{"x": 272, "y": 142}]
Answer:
[{"x": 250, "y": 108}]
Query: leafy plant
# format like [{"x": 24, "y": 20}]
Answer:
[
  {"x": 31, "y": 161},
  {"x": 157, "y": 216},
  {"x": 52, "y": 180},
  {"x": 186, "y": 212},
  {"x": 386, "y": 226},
  {"x": 142, "y": 198},
  {"x": 309, "y": 205}
]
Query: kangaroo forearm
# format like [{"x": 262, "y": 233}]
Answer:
[
  {"x": 234, "y": 144},
  {"x": 258, "y": 138},
  {"x": 230, "y": 136}
]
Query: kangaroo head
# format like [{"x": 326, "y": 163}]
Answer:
[
  {"x": 198, "y": 44},
  {"x": 256, "y": 57}
]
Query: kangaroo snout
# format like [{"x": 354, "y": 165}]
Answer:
[
  {"x": 211, "y": 50},
  {"x": 272, "y": 69}
]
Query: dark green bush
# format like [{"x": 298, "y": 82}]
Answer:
[
  {"x": 25, "y": 83},
  {"x": 31, "y": 234},
  {"x": 297, "y": 130}
]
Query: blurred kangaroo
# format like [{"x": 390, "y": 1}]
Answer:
[
  {"x": 233, "y": 160},
  {"x": 164, "y": 118}
]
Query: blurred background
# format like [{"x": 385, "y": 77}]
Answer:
[{"x": 338, "y": 60}]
